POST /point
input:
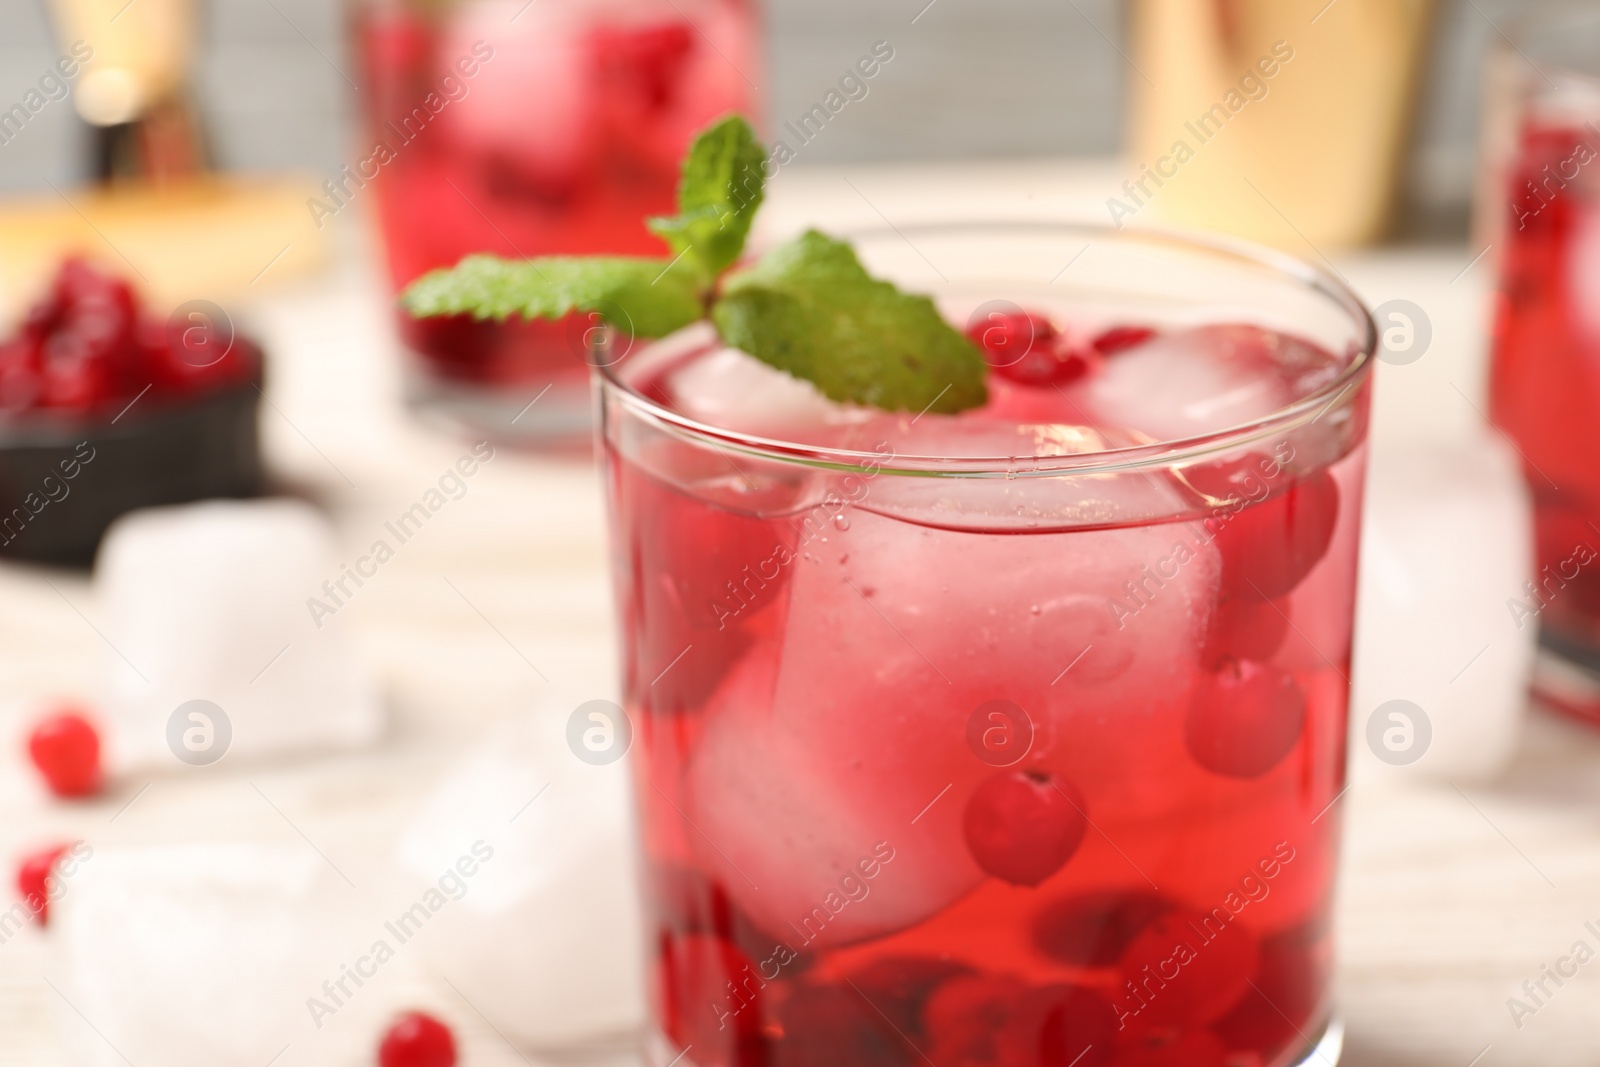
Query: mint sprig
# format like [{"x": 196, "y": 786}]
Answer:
[
  {"x": 720, "y": 189},
  {"x": 811, "y": 309},
  {"x": 807, "y": 308},
  {"x": 646, "y": 297}
]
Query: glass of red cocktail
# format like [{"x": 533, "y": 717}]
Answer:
[{"x": 1013, "y": 736}]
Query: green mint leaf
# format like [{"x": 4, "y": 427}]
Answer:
[
  {"x": 811, "y": 309},
  {"x": 721, "y": 187},
  {"x": 645, "y": 297}
]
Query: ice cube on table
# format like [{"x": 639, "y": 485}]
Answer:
[
  {"x": 547, "y": 941},
  {"x": 856, "y": 732},
  {"x": 209, "y": 602},
  {"x": 1446, "y": 549},
  {"x": 206, "y": 954},
  {"x": 1202, "y": 380}
]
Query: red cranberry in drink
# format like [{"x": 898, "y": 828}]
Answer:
[
  {"x": 33, "y": 880},
  {"x": 1245, "y": 628},
  {"x": 1021, "y": 826},
  {"x": 1006, "y": 336},
  {"x": 711, "y": 997},
  {"x": 65, "y": 747},
  {"x": 1282, "y": 1001},
  {"x": 1121, "y": 338},
  {"x": 899, "y": 986},
  {"x": 1270, "y": 535},
  {"x": 1187, "y": 969},
  {"x": 967, "y": 1018},
  {"x": 1095, "y": 929},
  {"x": 1171, "y": 1048},
  {"x": 1027, "y": 348},
  {"x": 1079, "y": 1027},
  {"x": 1244, "y": 718},
  {"x": 824, "y": 1023},
  {"x": 417, "y": 1039}
]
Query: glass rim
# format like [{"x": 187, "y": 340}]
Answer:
[{"x": 1301, "y": 412}]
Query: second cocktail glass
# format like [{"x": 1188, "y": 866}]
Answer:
[{"x": 526, "y": 130}]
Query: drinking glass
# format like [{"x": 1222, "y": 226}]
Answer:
[
  {"x": 1539, "y": 212},
  {"x": 968, "y": 738},
  {"x": 528, "y": 129}
]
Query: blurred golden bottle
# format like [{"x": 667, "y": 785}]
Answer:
[{"x": 1283, "y": 121}]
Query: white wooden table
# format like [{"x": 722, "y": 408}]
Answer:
[{"x": 1451, "y": 898}]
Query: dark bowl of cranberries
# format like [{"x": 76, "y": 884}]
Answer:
[{"x": 105, "y": 408}]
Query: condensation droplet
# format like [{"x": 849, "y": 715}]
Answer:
[
  {"x": 841, "y": 522},
  {"x": 1036, "y": 609}
]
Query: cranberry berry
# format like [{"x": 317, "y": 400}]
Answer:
[
  {"x": 417, "y": 1039},
  {"x": 33, "y": 880},
  {"x": 1027, "y": 348},
  {"x": 1188, "y": 968},
  {"x": 1270, "y": 532},
  {"x": 1244, "y": 718},
  {"x": 65, "y": 747},
  {"x": 1095, "y": 929},
  {"x": 1022, "y": 826}
]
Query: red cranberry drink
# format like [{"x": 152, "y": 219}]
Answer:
[
  {"x": 529, "y": 129},
  {"x": 1019, "y": 761},
  {"x": 1545, "y": 385},
  {"x": 987, "y": 686}
]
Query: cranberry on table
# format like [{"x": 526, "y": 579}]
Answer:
[
  {"x": 33, "y": 880},
  {"x": 1244, "y": 718},
  {"x": 65, "y": 747},
  {"x": 1188, "y": 968},
  {"x": 1022, "y": 826},
  {"x": 417, "y": 1039}
]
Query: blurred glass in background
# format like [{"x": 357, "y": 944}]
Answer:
[
  {"x": 1539, "y": 218},
  {"x": 523, "y": 130}
]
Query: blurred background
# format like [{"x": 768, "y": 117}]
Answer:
[
  {"x": 301, "y": 599},
  {"x": 1009, "y": 80}
]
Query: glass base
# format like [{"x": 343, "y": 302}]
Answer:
[
  {"x": 659, "y": 1050},
  {"x": 1328, "y": 1048},
  {"x": 551, "y": 416},
  {"x": 1566, "y": 676}
]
